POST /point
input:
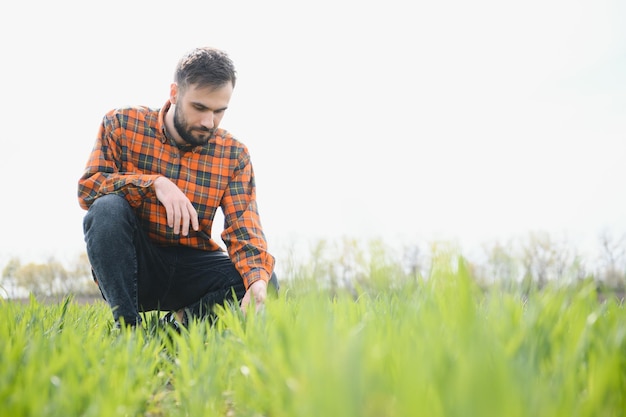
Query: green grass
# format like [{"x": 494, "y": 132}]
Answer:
[{"x": 408, "y": 347}]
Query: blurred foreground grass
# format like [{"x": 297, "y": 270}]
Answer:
[{"x": 441, "y": 346}]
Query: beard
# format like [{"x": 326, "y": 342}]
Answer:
[{"x": 202, "y": 134}]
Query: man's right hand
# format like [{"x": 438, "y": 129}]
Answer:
[{"x": 180, "y": 211}]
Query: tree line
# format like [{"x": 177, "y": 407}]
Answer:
[
  {"x": 532, "y": 262},
  {"x": 523, "y": 264},
  {"x": 49, "y": 279}
]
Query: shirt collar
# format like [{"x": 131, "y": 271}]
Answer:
[{"x": 161, "y": 121}]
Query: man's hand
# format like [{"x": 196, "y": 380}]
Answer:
[
  {"x": 257, "y": 292},
  {"x": 180, "y": 211}
]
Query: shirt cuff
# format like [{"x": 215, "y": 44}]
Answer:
[{"x": 254, "y": 276}]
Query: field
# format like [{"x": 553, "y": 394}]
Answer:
[{"x": 440, "y": 346}]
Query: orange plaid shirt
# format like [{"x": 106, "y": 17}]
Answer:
[{"x": 131, "y": 151}]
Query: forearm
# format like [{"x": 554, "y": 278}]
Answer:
[
  {"x": 251, "y": 259},
  {"x": 106, "y": 171},
  {"x": 243, "y": 234},
  {"x": 247, "y": 245},
  {"x": 133, "y": 187}
]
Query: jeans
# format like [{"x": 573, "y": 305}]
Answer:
[{"x": 135, "y": 275}]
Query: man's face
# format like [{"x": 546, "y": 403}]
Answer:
[{"x": 199, "y": 111}]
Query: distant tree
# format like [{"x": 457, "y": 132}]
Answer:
[
  {"x": 613, "y": 260},
  {"x": 81, "y": 279},
  {"x": 502, "y": 266},
  {"x": 42, "y": 279},
  {"x": 412, "y": 260},
  {"x": 10, "y": 268},
  {"x": 8, "y": 276},
  {"x": 51, "y": 278},
  {"x": 350, "y": 264},
  {"x": 382, "y": 267},
  {"x": 545, "y": 259}
]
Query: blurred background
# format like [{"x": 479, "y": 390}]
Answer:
[{"x": 403, "y": 121}]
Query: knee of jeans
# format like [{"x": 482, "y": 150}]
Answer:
[{"x": 110, "y": 207}]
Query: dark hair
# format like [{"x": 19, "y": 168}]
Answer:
[{"x": 205, "y": 67}]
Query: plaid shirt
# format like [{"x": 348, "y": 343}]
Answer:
[{"x": 131, "y": 151}]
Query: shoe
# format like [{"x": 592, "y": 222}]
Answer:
[{"x": 170, "y": 320}]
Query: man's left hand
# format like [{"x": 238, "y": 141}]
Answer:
[{"x": 257, "y": 292}]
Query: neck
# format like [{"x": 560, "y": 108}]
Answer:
[{"x": 170, "y": 131}]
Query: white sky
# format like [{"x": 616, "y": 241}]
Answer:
[{"x": 470, "y": 120}]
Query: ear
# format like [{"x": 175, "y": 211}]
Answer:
[{"x": 173, "y": 93}]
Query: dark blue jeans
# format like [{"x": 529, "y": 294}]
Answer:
[{"x": 135, "y": 275}]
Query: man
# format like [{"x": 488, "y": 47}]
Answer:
[{"x": 152, "y": 185}]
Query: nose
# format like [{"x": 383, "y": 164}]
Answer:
[{"x": 208, "y": 121}]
